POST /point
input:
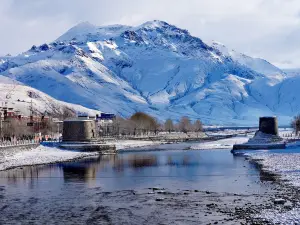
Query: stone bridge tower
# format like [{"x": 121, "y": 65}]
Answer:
[
  {"x": 79, "y": 130},
  {"x": 268, "y": 125}
]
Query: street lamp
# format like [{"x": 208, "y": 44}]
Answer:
[{"x": 1, "y": 126}]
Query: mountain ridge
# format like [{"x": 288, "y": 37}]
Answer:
[{"x": 156, "y": 68}]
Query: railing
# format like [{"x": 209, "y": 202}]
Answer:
[{"x": 17, "y": 143}]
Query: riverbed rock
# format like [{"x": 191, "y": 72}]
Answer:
[
  {"x": 157, "y": 188},
  {"x": 288, "y": 205},
  {"x": 211, "y": 205},
  {"x": 279, "y": 201}
]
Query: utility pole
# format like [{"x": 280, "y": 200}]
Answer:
[
  {"x": 1, "y": 127},
  {"x": 31, "y": 119},
  {"x": 31, "y": 109},
  {"x": 58, "y": 130}
]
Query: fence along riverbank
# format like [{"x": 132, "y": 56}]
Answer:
[{"x": 18, "y": 145}]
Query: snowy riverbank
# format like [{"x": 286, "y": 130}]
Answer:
[
  {"x": 220, "y": 144},
  {"x": 40, "y": 155},
  {"x": 285, "y": 164},
  {"x": 46, "y": 155}
]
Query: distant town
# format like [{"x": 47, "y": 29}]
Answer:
[{"x": 15, "y": 126}]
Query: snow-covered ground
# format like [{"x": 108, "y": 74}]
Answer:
[
  {"x": 286, "y": 164},
  {"x": 46, "y": 155},
  {"x": 288, "y": 132},
  {"x": 40, "y": 155},
  {"x": 287, "y": 218},
  {"x": 227, "y": 132},
  {"x": 125, "y": 144},
  {"x": 221, "y": 144}
]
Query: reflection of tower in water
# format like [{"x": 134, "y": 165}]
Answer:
[
  {"x": 85, "y": 170},
  {"x": 79, "y": 173}
]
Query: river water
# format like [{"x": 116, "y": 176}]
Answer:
[{"x": 71, "y": 192}]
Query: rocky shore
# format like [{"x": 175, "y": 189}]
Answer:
[{"x": 281, "y": 207}]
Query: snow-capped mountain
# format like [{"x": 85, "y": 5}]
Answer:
[
  {"x": 156, "y": 68},
  {"x": 14, "y": 94}
]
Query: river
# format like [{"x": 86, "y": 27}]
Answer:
[{"x": 134, "y": 187}]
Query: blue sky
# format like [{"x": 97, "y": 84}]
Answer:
[{"x": 267, "y": 29}]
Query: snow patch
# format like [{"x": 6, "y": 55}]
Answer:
[
  {"x": 220, "y": 144},
  {"x": 289, "y": 217},
  {"x": 19, "y": 97},
  {"x": 127, "y": 144},
  {"x": 41, "y": 155},
  {"x": 285, "y": 163}
]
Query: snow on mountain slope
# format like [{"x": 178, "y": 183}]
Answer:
[
  {"x": 292, "y": 72},
  {"x": 18, "y": 96},
  {"x": 68, "y": 74},
  {"x": 157, "y": 68},
  {"x": 257, "y": 64}
]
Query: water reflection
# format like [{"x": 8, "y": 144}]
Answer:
[
  {"x": 184, "y": 161},
  {"x": 140, "y": 161},
  {"x": 207, "y": 169},
  {"x": 79, "y": 173},
  {"x": 85, "y": 170},
  {"x": 25, "y": 173}
]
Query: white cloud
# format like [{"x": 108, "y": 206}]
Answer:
[{"x": 262, "y": 28}]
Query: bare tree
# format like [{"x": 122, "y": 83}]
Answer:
[
  {"x": 197, "y": 127},
  {"x": 122, "y": 126},
  {"x": 143, "y": 123},
  {"x": 296, "y": 124},
  {"x": 156, "y": 125},
  {"x": 185, "y": 124},
  {"x": 169, "y": 126}
]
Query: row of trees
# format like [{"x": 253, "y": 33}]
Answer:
[
  {"x": 184, "y": 125},
  {"x": 141, "y": 124}
]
